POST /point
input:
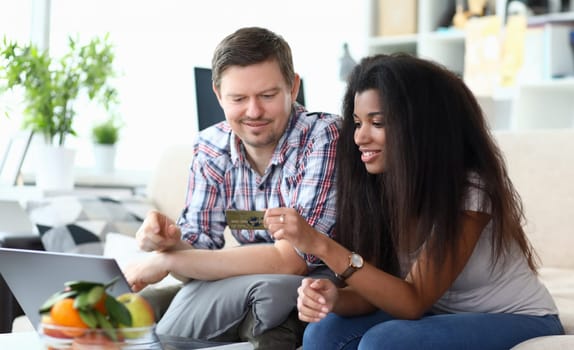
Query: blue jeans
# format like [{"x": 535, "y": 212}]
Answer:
[{"x": 379, "y": 330}]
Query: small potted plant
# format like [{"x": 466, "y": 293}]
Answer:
[{"x": 105, "y": 136}]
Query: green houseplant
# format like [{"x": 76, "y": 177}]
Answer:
[
  {"x": 52, "y": 86},
  {"x": 106, "y": 132},
  {"x": 105, "y": 135}
]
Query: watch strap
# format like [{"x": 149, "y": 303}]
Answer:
[
  {"x": 351, "y": 269},
  {"x": 347, "y": 273}
]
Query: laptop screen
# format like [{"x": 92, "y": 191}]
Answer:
[{"x": 33, "y": 276}]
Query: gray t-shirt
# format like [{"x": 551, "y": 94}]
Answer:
[{"x": 509, "y": 287}]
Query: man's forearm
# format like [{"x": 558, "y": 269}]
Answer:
[
  {"x": 182, "y": 245},
  {"x": 279, "y": 258}
]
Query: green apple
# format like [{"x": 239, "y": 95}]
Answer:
[{"x": 140, "y": 310}]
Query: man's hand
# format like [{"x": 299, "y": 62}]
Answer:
[
  {"x": 316, "y": 299},
  {"x": 158, "y": 233},
  {"x": 145, "y": 272}
]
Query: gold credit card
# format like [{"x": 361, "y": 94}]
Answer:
[{"x": 245, "y": 219}]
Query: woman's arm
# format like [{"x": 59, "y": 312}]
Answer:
[{"x": 408, "y": 298}]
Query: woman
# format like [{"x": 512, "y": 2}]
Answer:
[{"x": 429, "y": 237}]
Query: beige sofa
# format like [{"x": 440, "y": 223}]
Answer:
[{"x": 541, "y": 165}]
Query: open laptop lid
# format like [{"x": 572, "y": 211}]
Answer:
[{"x": 33, "y": 275}]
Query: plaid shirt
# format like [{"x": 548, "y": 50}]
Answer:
[{"x": 301, "y": 175}]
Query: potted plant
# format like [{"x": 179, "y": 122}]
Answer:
[
  {"x": 105, "y": 136},
  {"x": 51, "y": 87}
]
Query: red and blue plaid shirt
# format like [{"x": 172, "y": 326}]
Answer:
[{"x": 301, "y": 175}]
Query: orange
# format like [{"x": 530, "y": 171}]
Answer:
[{"x": 63, "y": 313}]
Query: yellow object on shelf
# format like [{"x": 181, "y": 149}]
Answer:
[
  {"x": 513, "y": 50},
  {"x": 482, "y": 54},
  {"x": 460, "y": 18},
  {"x": 397, "y": 17}
]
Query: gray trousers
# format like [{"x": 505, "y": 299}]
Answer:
[{"x": 176, "y": 308}]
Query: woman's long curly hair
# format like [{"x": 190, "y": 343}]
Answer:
[{"x": 436, "y": 135}]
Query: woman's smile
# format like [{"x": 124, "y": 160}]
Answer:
[{"x": 368, "y": 156}]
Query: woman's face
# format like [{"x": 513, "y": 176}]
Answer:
[{"x": 370, "y": 130}]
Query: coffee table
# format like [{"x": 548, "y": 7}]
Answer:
[
  {"x": 31, "y": 341},
  {"x": 21, "y": 340}
]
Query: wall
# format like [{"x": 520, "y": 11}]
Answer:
[{"x": 159, "y": 42}]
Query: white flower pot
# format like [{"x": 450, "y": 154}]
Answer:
[
  {"x": 55, "y": 168},
  {"x": 104, "y": 158}
]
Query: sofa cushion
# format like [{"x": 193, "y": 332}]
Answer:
[
  {"x": 79, "y": 224},
  {"x": 168, "y": 184},
  {"x": 541, "y": 166},
  {"x": 553, "y": 342},
  {"x": 124, "y": 249}
]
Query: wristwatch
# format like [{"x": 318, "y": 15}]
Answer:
[{"x": 355, "y": 263}]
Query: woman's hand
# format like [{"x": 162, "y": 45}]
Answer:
[
  {"x": 286, "y": 223},
  {"x": 157, "y": 233},
  {"x": 316, "y": 299},
  {"x": 145, "y": 272}
]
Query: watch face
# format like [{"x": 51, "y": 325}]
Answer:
[{"x": 356, "y": 260}]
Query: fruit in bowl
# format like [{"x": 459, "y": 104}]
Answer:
[
  {"x": 141, "y": 313},
  {"x": 84, "y": 316},
  {"x": 57, "y": 337}
]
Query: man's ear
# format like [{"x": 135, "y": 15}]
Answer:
[
  {"x": 295, "y": 88},
  {"x": 216, "y": 92}
]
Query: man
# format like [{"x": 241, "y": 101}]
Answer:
[{"x": 270, "y": 153}]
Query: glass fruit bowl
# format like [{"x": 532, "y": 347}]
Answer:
[{"x": 56, "y": 337}]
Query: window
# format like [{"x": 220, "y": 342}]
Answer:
[
  {"x": 158, "y": 42},
  {"x": 15, "y": 24}
]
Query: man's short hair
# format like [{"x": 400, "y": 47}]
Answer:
[{"x": 252, "y": 45}]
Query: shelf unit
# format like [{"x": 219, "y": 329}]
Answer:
[
  {"x": 443, "y": 46},
  {"x": 547, "y": 56}
]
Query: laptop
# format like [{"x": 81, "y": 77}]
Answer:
[
  {"x": 34, "y": 275},
  {"x": 14, "y": 220}
]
